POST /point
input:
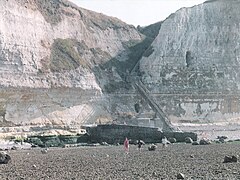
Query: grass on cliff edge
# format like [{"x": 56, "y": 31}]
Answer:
[{"x": 65, "y": 56}]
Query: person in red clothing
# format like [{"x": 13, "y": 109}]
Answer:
[{"x": 126, "y": 145}]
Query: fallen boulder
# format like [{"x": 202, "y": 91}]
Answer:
[
  {"x": 152, "y": 147},
  {"x": 44, "y": 151},
  {"x": 230, "y": 159},
  {"x": 180, "y": 176},
  {"x": 222, "y": 138},
  {"x": 4, "y": 158},
  {"x": 204, "y": 142}
]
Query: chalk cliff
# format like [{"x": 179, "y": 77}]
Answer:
[
  {"x": 50, "y": 54},
  {"x": 62, "y": 66},
  {"x": 195, "y": 61},
  {"x": 54, "y": 43}
]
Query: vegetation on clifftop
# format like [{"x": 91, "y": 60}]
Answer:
[{"x": 50, "y": 10}]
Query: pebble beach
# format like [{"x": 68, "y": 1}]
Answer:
[{"x": 111, "y": 162}]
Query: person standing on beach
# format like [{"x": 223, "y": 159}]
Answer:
[
  {"x": 164, "y": 141},
  {"x": 126, "y": 145},
  {"x": 140, "y": 143}
]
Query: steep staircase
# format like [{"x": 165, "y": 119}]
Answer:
[{"x": 164, "y": 121}]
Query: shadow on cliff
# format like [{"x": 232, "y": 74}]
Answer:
[{"x": 128, "y": 67}]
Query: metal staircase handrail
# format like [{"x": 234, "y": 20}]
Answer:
[{"x": 145, "y": 92}]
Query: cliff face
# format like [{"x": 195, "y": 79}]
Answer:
[
  {"x": 54, "y": 43},
  {"x": 195, "y": 60},
  {"x": 52, "y": 62},
  {"x": 202, "y": 38},
  {"x": 63, "y": 66}
]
